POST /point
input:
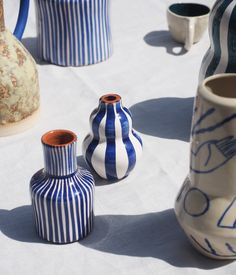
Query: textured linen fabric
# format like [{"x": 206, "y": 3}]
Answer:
[{"x": 135, "y": 230}]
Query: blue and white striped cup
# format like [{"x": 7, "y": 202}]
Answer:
[{"x": 73, "y": 32}]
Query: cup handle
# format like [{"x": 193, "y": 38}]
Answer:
[
  {"x": 22, "y": 18},
  {"x": 190, "y": 34}
]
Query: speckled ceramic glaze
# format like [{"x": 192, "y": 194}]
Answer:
[
  {"x": 19, "y": 86},
  {"x": 206, "y": 203}
]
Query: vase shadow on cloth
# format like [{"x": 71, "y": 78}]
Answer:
[
  {"x": 98, "y": 180},
  {"x": 18, "y": 224},
  {"x": 167, "y": 117},
  {"x": 156, "y": 235},
  {"x": 31, "y": 45},
  {"x": 163, "y": 39}
]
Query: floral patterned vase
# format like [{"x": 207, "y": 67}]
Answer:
[
  {"x": 112, "y": 148},
  {"x": 62, "y": 193},
  {"x": 19, "y": 85},
  {"x": 206, "y": 204}
]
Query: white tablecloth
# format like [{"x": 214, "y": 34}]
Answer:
[{"x": 135, "y": 230}]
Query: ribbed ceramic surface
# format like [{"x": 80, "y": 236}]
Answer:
[{"x": 74, "y": 32}]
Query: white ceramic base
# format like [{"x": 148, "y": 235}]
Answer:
[{"x": 17, "y": 127}]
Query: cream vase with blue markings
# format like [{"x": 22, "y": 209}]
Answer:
[
  {"x": 74, "y": 32},
  {"x": 112, "y": 148},
  {"x": 221, "y": 56},
  {"x": 206, "y": 204},
  {"x": 62, "y": 193}
]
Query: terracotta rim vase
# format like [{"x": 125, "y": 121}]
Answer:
[
  {"x": 62, "y": 193},
  {"x": 112, "y": 147}
]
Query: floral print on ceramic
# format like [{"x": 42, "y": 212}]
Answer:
[
  {"x": 19, "y": 86},
  {"x": 206, "y": 204},
  {"x": 112, "y": 148}
]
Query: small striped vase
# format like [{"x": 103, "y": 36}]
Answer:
[
  {"x": 73, "y": 32},
  {"x": 62, "y": 193},
  {"x": 112, "y": 148},
  {"x": 221, "y": 56}
]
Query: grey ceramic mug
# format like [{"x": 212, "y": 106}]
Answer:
[{"x": 187, "y": 22}]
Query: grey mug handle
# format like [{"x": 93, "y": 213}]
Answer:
[{"x": 190, "y": 33}]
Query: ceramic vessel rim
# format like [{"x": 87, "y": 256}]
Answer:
[
  {"x": 104, "y": 98},
  {"x": 57, "y": 132},
  {"x": 182, "y": 16},
  {"x": 210, "y": 96}
]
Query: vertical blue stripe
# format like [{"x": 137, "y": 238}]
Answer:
[
  {"x": 73, "y": 47},
  {"x": 69, "y": 7},
  {"x": 87, "y": 31},
  {"x": 95, "y": 27},
  {"x": 66, "y": 211},
  {"x": 91, "y": 31},
  {"x": 99, "y": 29},
  {"x": 216, "y": 37},
  {"x": 95, "y": 128},
  {"x": 231, "y": 68},
  {"x": 110, "y": 156}
]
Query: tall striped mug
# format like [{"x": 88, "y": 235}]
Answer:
[{"x": 73, "y": 32}]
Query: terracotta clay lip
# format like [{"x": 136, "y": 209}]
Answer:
[
  {"x": 58, "y": 138},
  {"x": 110, "y": 98}
]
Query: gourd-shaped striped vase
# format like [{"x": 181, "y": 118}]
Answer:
[
  {"x": 73, "y": 32},
  {"x": 221, "y": 56},
  {"x": 112, "y": 148},
  {"x": 62, "y": 193}
]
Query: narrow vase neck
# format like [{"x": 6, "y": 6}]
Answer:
[
  {"x": 60, "y": 160},
  {"x": 2, "y": 22}
]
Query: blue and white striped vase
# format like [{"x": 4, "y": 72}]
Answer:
[
  {"x": 73, "y": 32},
  {"x": 112, "y": 148},
  {"x": 221, "y": 56},
  {"x": 62, "y": 193}
]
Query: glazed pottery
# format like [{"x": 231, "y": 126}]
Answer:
[
  {"x": 62, "y": 193},
  {"x": 112, "y": 148},
  {"x": 206, "y": 204},
  {"x": 221, "y": 56},
  {"x": 73, "y": 33},
  {"x": 19, "y": 86},
  {"x": 187, "y": 22}
]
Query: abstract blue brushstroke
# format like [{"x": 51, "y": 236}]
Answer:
[
  {"x": 220, "y": 222},
  {"x": 225, "y": 146}
]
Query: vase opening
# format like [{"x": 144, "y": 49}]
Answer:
[
  {"x": 223, "y": 86},
  {"x": 110, "y": 98},
  {"x": 59, "y": 138}
]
